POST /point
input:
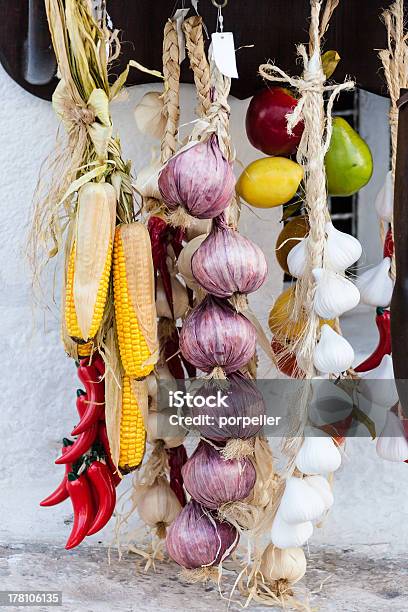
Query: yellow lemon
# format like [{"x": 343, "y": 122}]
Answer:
[
  {"x": 281, "y": 322},
  {"x": 270, "y": 181}
]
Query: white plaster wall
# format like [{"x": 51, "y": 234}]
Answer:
[{"x": 38, "y": 382}]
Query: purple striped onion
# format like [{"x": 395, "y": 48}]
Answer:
[
  {"x": 215, "y": 335},
  {"x": 227, "y": 263},
  {"x": 244, "y": 400},
  {"x": 196, "y": 538},
  {"x": 199, "y": 179},
  {"x": 213, "y": 481}
]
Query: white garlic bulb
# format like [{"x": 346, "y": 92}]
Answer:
[
  {"x": 391, "y": 443},
  {"x": 334, "y": 294},
  {"x": 333, "y": 353},
  {"x": 162, "y": 376},
  {"x": 147, "y": 181},
  {"x": 158, "y": 505},
  {"x": 318, "y": 454},
  {"x": 296, "y": 259},
  {"x": 184, "y": 260},
  {"x": 180, "y": 299},
  {"x": 198, "y": 227},
  {"x": 300, "y": 503},
  {"x": 159, "y": 428},
  {"x": 149, "y": 116},
  {"x": 384, "y": 202},
  {"x": 284, "y": 535},
  {"x": 378, "y": 385},
  {"x": 341, "y": 250},
  {"x": 321, "y": 486},
  {"x": 288, "y": 564},
  {"x": 376, "y": 285}
]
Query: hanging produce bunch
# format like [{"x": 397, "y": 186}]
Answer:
[
  {"x": 84, "y": 209},
  {"x": 155, "y": 298},
  {"x": 377, "y": 283}
]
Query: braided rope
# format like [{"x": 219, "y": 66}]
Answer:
[
  {"x": 171, "y": 73},
  {"x": 395, "y": 62},
  {"x": 193, "y": 31}
]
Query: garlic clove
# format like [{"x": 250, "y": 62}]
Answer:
[
  {"x": 334, "y": 294},
  {"x": 149, "y": 115},
  {"x": 341, "y": 249},
  {"x": 376, "y": 285},
  {"x": 333, "y": 353},
  {"x": 323, "y": 488},
  {"x": 318, "y": 454},
  {"x": 296, "y": 259},
  {"x": 147, "y": 181},
  {"x": 378, "y": 385},
  {"x": 391, "y": 443},
  {"x": 284, "y": 535},
  {"x": 184, "y": 260},
  {"x": 288, "y": 564},
  {"x": 384, "y": 202},
  {"x": 300, "y": 503}
]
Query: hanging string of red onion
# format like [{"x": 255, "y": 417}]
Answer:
[
  {"x": 244, "y": 400},
  {"x": 196, "y": 539},
  {"x": 213, "y": 481},
  {"x": 199, "y": 179},
  {"x": 227, "y": 263},
  {"x": 216, "y": 336}
]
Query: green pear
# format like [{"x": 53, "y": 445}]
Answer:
[{"x": 349, "y": 163}]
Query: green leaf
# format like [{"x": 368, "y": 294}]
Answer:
[
  {"x": 365, "y": 420},
  {"x": 290, "y": 210}
]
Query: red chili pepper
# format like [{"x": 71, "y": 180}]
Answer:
[
  {"x": 81, "y": 498},
  {"x": 95, "y": 398},
  {"x": 100, "y": 478},
  {"x": 81, "y": 445},
  {"x": 177, "y": 458},
  {"x": 60, "y": 494},
  {"x": 104, "y": 440},
  {"x": 98, "y": 363},
  {"x": 383, "y": 322},
  {"x": 389, "y": 244}
]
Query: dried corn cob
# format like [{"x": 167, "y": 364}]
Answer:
[
  {"x": 132, "y": 429},
  {"x": 90, "y": 259},
  {"x": 135, "y": 310}
]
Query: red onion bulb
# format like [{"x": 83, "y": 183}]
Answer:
[
  {"x": 213, "y": 481},
  {"x": 244, "y": 400},
  {"x": 227, "y": 263},
  {"x": 199, "y": 179},
  {"x": 196, "y": 538},
  {"x": 214, "y": 335}
]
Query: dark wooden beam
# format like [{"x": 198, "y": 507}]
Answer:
[
  {"x": 399, "y": 304},
  {"x": 273, "y": 27}
]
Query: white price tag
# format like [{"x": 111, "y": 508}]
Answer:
[
  {"x": 179, "y": 17},
  {"x": 224, "y": 53}
]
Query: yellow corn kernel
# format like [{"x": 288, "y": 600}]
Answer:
[
  {"x": 71, "y": 320},
  {"x": 84, "y": 350},
  {"x": 135, "y": 310},
  {"x": 132, "y": 430}
]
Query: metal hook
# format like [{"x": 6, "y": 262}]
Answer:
[{"x": 220, "y": 6}]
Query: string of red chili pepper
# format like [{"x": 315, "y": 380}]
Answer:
[{"x": 90, "y": 476}]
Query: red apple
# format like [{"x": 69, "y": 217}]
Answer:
[{"x": 266, "y": 123}]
